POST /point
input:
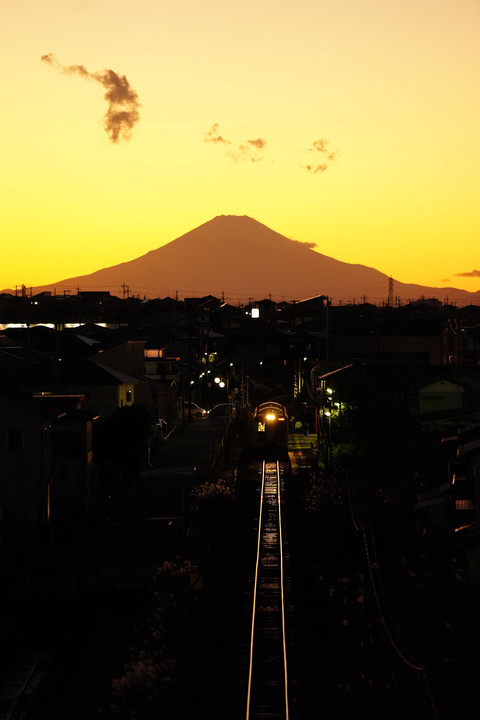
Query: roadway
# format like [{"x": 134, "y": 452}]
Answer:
[{"x": 189, "y": 450}]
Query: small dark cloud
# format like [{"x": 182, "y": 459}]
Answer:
[
  {"x": 247, "y": 150},
  {"x": 305, "y": 244},
  {"x": 471, "y": 273},
  {"x": 320, "y": 145},
  {"x": 122, "y": 112},
  {"x": 321, "y": 150},
  {"x": 259, "y": 143},
  {"x": 212, "y": 136},
  {"x": 316, "y": 168}
]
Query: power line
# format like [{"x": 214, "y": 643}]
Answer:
[{"x": 380, "y": 596}]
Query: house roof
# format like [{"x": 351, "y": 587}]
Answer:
[
  {"x": 80, "y": 341},
  {"x": 76, "y": 371},
  {"x": 22, "y": 354},
  {"x": 468, "y": 447}
]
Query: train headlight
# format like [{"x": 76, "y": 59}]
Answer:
[{"x": 270, "y": 417}]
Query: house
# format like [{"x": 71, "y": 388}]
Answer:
[
  {"x": 308, "y": 313},
  {"x": 450, "y": 513},
  {"x": 46, "y": 470},
  {"x": 14, "y": 357},
  {"x": 163, "y": 378},
  {"x": 104, "y": 390},
  {"x": 72, "y": 488},
  {"x": 441, "y": 396},
  {"x": 227, "y": 317},
  {"x": 25, "y": 469},
  {"x": 126, "y": 357},
  {"x": 411, "y": 334}
]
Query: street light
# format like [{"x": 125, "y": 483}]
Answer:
[{"x": 328, "y": 414}]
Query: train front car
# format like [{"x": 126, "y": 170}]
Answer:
[{"x": 270, "y": 427}]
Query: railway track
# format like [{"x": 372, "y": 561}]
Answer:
[{"x": 268, "y": 680}]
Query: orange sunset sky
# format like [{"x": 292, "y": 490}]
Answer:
[{"x": 352, "y": 125}]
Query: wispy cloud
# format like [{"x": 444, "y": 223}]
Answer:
[
  {"x": 251, "y": 150},
  {"x": 259, "y": 143},
  {"x": 316, "y": 168},
  {"x": 471, "y": 273},
  {"x": 321, "y": 152},
  {"x": 212, "y": 136},
  {"x": 123, "y": 105}
]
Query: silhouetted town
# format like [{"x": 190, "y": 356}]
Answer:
[{"x": 120, "y": 417}]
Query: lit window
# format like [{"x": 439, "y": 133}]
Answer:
[{"x": 464, "y": 505}]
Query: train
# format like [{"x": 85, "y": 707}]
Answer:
[{"x": 270, "y": 426}]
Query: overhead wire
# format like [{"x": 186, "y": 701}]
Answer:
[{"x": 380, "y": 596}]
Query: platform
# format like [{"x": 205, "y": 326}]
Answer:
[{"x": 302, "y": 451}]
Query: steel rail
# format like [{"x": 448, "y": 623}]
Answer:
[
  {"x": 269, "y": 553},
  {"x": 282, "y": 590}
]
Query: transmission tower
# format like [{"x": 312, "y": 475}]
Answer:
[{"x": 390, "y": 291}]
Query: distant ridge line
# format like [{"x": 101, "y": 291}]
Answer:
[{"x": 238, "y": 258}]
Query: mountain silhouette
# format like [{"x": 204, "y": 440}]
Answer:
[{"x": 240, "y": 259}]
